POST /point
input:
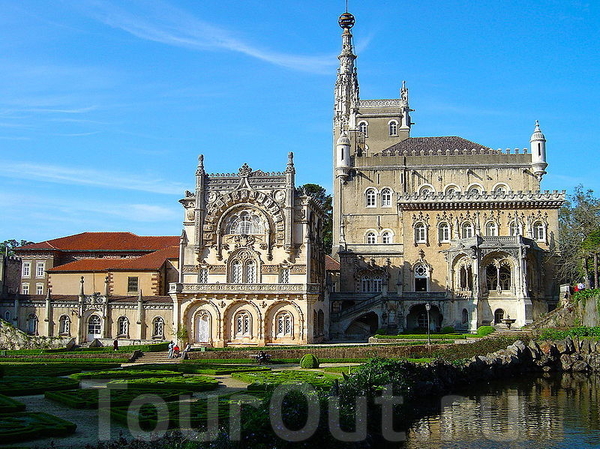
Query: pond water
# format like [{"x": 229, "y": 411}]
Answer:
[{"x": 554, "y": 411}]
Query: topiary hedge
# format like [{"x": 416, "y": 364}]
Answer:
[
  {"x": 26, "y": 426},
  {"x": 193, "y": 383},
  {"x": 89, "y": 397},
  {"x": 23, "y": 386},
  {"x": 9, "y": 405},
  {"x": 125, "y": 374},
  {"x": 309, "y": 361},
  {"x": 482, "y": 331}
]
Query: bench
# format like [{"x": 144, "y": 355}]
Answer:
[{"x": 261, "y": 358}]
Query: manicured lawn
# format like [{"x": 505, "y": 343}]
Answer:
[{"x": 266, "y": 379}]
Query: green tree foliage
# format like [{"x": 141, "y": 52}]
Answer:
[
  {"x": 8, "y": 246},
  {"x": 325, "y": 200},
  {"x": 579, "y": 225}
]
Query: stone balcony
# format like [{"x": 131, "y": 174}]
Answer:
[{"x": 176, "y": 287}]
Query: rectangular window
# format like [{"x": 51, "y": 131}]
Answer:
[
  {"x": 203, "y": 276},
  {"x": 25, "y": 289},
  {"x": 39, "y": 289},
  {"x": 284, "y": 276},
  {"x": 40, "y": 267},
  {"x": 26, "y": 269},
  {"x": 132, "y": 284}
]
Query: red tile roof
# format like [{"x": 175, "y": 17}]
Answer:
[
  {"x": 148, "y": 262},
  {"x": 104, "y": 241},
  {"x": 331, "y": 264}
]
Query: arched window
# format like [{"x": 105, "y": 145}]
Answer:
[
  {"x": 421, "y": 277},
  {"x": 386, "y": 237},
  {"x": 123, "y": 326},
  {"x": 393, "y": 128},
  {"x": 243, "y": 324},
  {"x": 505, "y": 281},
  {"x": 444, "y": 232},
  {"x": 420, "y": 233},
  {"x": 158, "y": 327},
  {"x": 94, "y": 326},
  {"x": 539, "y": 231},
  {"x": 363, "y": 127},
  {"x": 371, "y": 239},
  {"x": 371, "y": 197},
  {"x": 7, "y": 316},
  {"x": 243, "y": 269},
  {"x": 467, "y": 230},
  {"x": 498, "y": 316},
  {"x": 501, "y": 189},
  {"x": 491, "y": 229},
  {"x": 371, "y": 283},
  {"x": 386, "y": 197},
  {"x": 498, "y": 277},
  {"x": 284, "y": 324},
  {"x": 474, "y": 190},
  {"x": 426, "y": 190},
  {"x": 236, "y": 272},
  {"x": 64, "y": 325},
  {"x": 466, "y": 278},
  {"x": 245, "y": 222},
  {"x": 465, "y": 316},
  {"x": 515, "y": 228}
]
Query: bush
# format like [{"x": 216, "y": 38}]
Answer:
[
  {"x": 447, "y": 330},
  {"x": 482, "y": 331},
  {"x": 382, "y": 331},
  {"x": 309, "y": 361}
]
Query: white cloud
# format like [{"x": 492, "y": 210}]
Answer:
[
  {"x": 171, "y": 26},
  {"x": 90, "y": 177}
]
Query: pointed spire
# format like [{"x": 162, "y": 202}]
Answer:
[
  {"x": 200, "y": 169},
  {"x": 290, "y": 163},
  {"x": 346, "y": 86}
]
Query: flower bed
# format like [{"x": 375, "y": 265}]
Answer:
[
  {"x": 23, "y": 386},
  {"x": 9, "y": 405},
  {"x": 89, "y": 398},
  {"x": 124, "y": 374},
  {"x": 261, "y": 381},
  {"x": 25, "y": 426},
  {"x": 193, "y": 383}
]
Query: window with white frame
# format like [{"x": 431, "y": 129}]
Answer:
[
  {"x": 243, "y": 324},
  {"x": 467, "y": 230},
  {"x": 452, "y": 190},
  {"x": 363, "y": 127},
  {"x": 40, "y": 267},
  {"x": 393, "y": 128},
  {"x": 123, "y": 326},
  {"x": 386, "y": 237},
  {"x": 371, "y": 238},
  {"x": 371, "y": 197},
  {"x": 39, "y": 289},
  {"x": 420, "y": 233},
  {"x": 24, "y": 289},
  {"x": 26, "y": 269},
  {"x": 64, "y": 325},
  {"x": 386, "y": 197},
  {"x": 491, "y": 229},
  {"x": 94, "y": 325},
  {"x": 245, "y": 222},
  {"x": 539, "y": 231},
  {"x": 426, "y": 190},
  {"x": 284, "y": 327},
  {"x": 501, "y": 189},
  {"x": 444, "y": 232},
  {"x": 158, "y": 327}
]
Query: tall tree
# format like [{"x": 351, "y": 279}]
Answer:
[
  {"x": 7, "y": 246},
  {"x": 579, "y": 218},
  {"x": 325, "y": 200}
]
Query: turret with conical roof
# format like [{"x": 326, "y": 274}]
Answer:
[{"x": 538, "y": 152}]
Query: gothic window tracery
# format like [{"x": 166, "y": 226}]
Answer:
[
  {"x": 64, "y": 325},
  {"x": 245, "y": 222},
  {"x": 363, "y": 127},
  {"x": 158, "y": 327},
  {"x": 371, "y": 238},
  {"x": 539, "y": 231},
  {"x": 243, "y": 324},
  {"x": 421, "y": 274},
  {"x": 284, "y": 324},
  {"x": 243, "y": 269},
  {"x": 467, "y": 230},
  {"x": 371, "y": 197},
  {"x": 393, "y": 128},
  {"x": 491, "y": 229},
  {"x": 123, "y": 326},
  {"x": 386, "y": 197}
]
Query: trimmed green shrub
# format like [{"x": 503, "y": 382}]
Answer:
[
  {"x": 9, "y": 405},
  {"x": 485, "y": 330},
  {"x": 447, "y": 330},
  {"x": 26, "y": 426},
  {"x": 264, "y": 380},
  {"x": 23, "y": 386},
  {"x": 309, "y": 361},
  {"x": 192, "y": 383},
  {"x": 125, "y": 374},
  {"x": 382, "y": 331},
  {"x": 561, "y": 334}
]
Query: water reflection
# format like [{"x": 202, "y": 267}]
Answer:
[{"x": 554, "y": 411}]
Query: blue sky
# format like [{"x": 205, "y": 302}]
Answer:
[{"x": 105, "y": 105}]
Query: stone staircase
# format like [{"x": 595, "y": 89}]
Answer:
[{"x": 156, "y": 357}]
